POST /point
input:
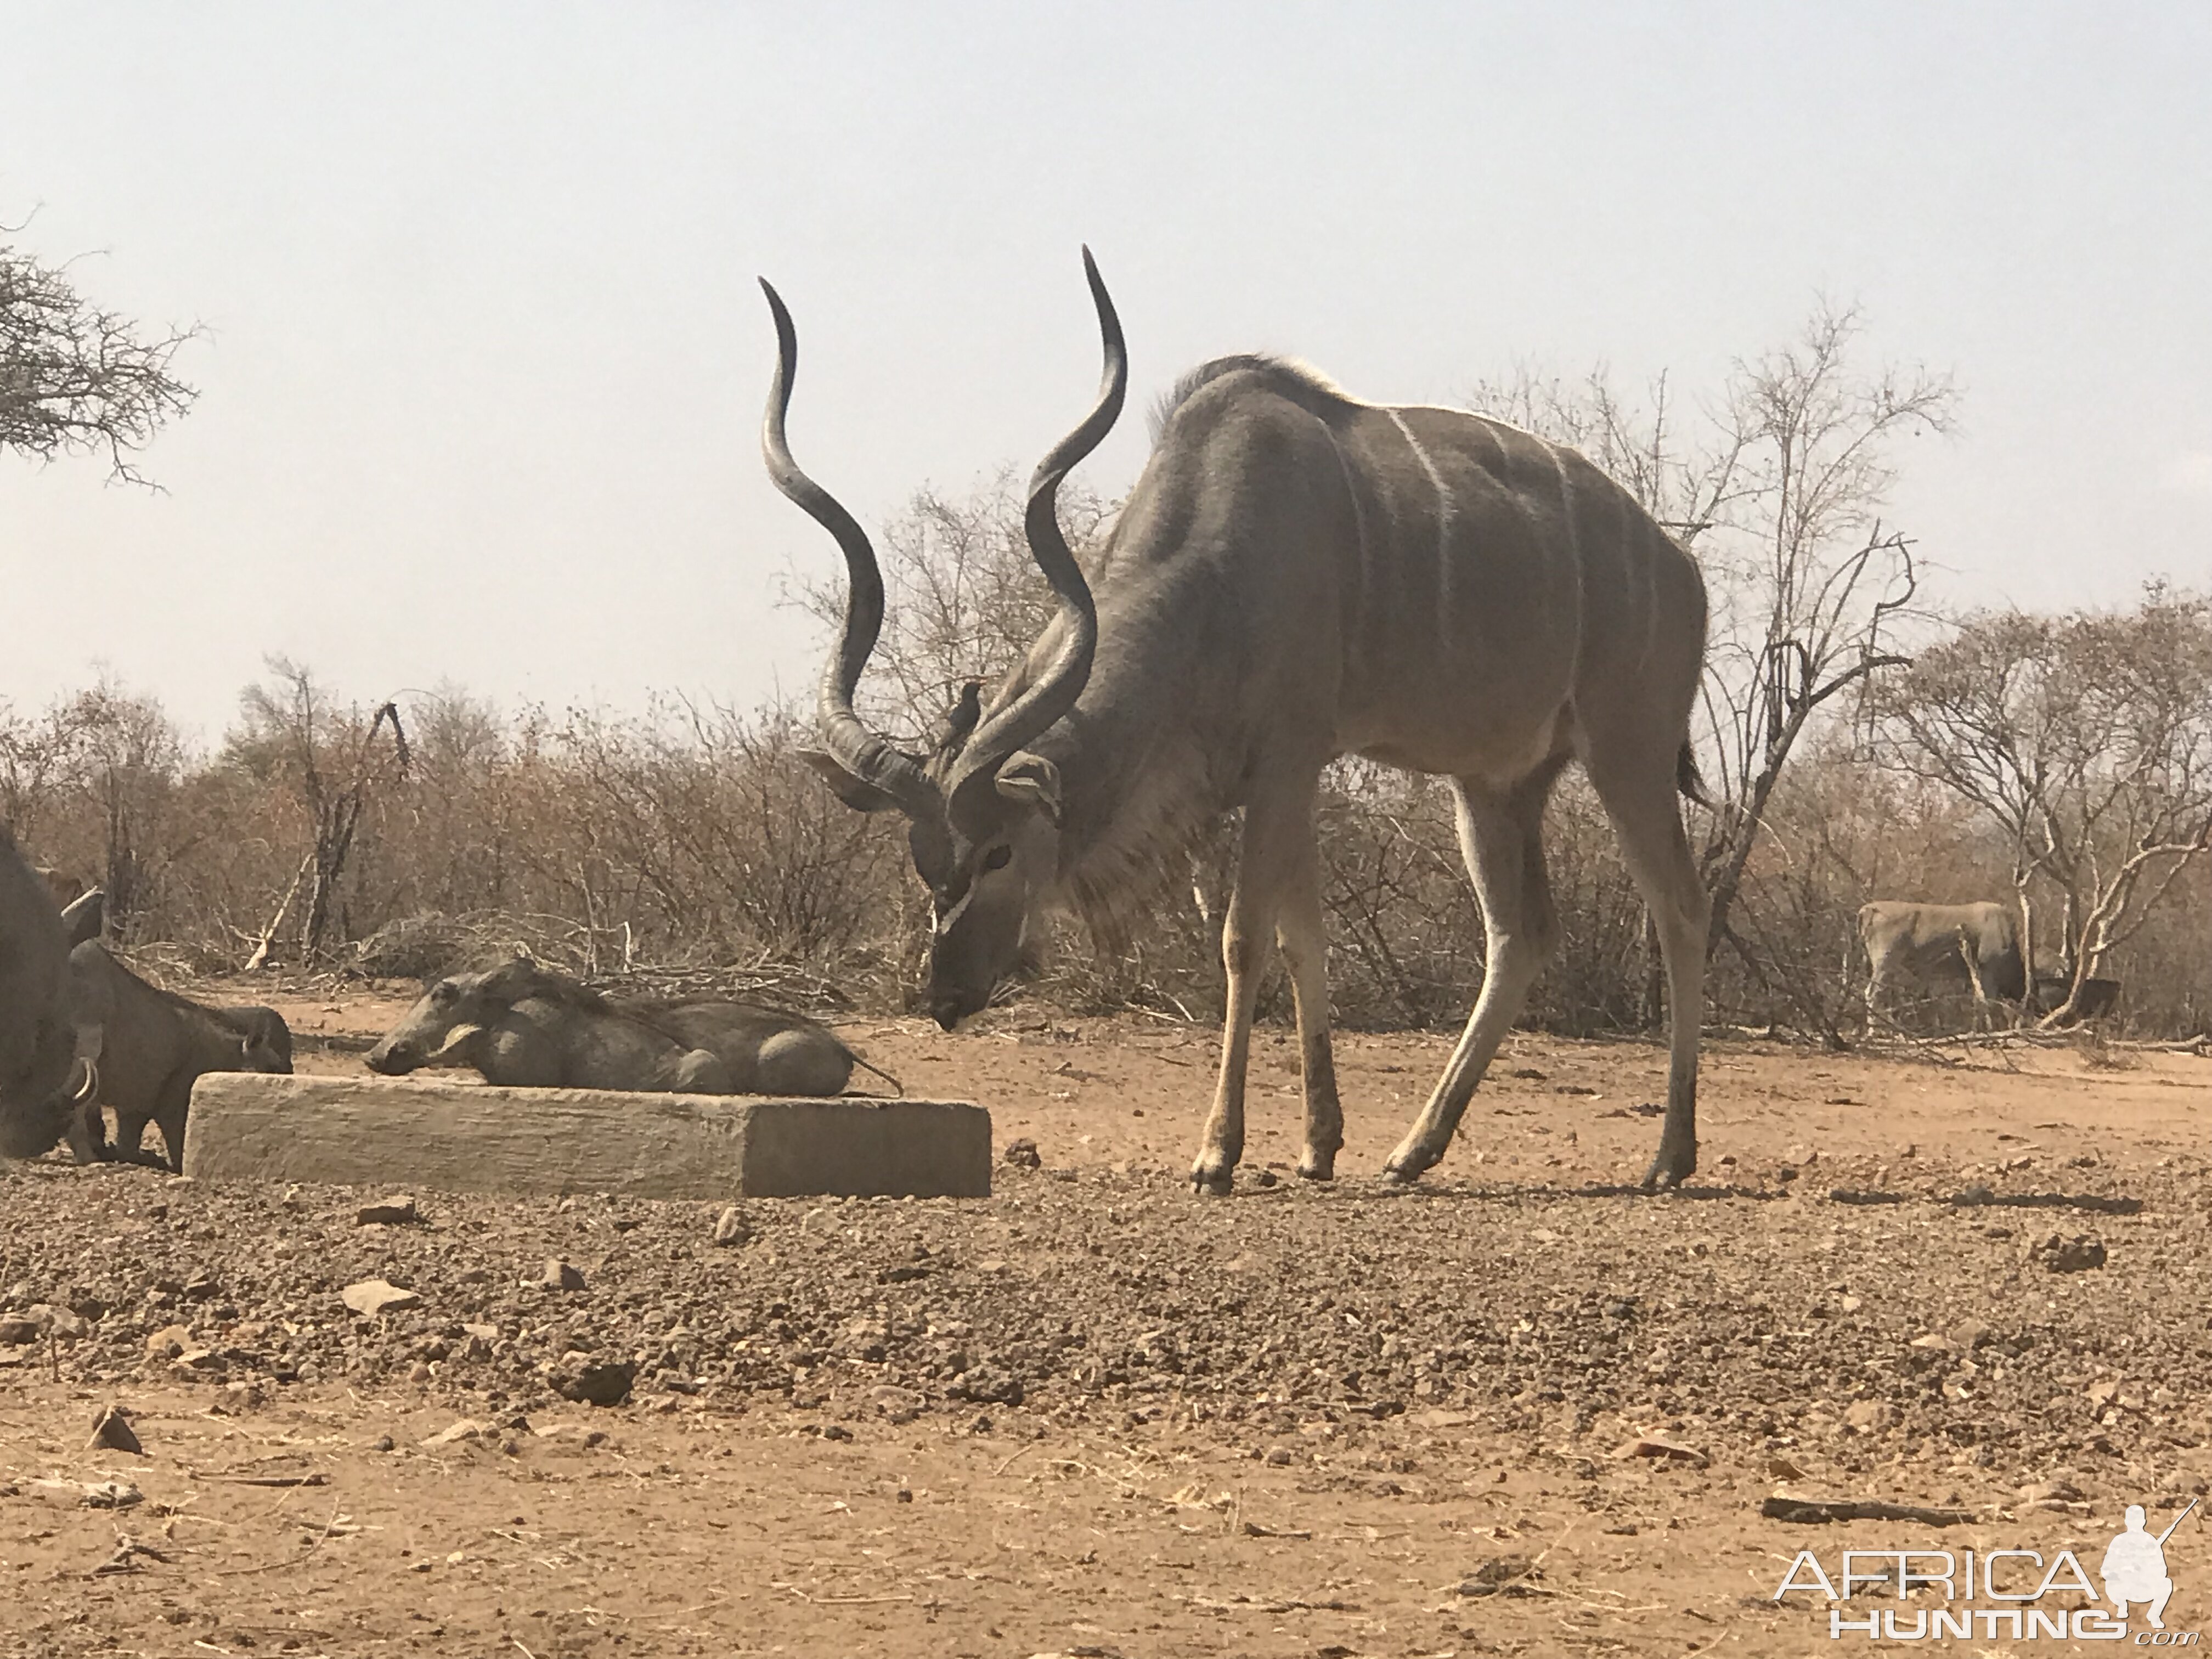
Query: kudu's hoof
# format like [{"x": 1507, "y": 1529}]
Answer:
[
  {"x": 1669, "y": 1170},
  {"x": 1317, "y": 1169},
  {"x": 1212, "y": 1183}
]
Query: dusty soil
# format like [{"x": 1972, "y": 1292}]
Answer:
[{"x": 1095, "y": 1415}]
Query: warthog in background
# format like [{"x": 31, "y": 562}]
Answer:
[
  {"x": 523, "y": 1025},
  {"x": 139, "y": 1049}
]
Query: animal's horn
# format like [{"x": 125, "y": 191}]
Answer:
[
  {"x": 865, "y": 754},
  {"x": 1058, "y": 687}
]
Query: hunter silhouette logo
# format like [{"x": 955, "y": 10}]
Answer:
[
  {"x": 2134, "y": 1568},
  {"x": 1998, "y": 1593}
]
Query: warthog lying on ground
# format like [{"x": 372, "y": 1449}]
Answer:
[
  {"x": 526, "y": 1026},
  {"x": 139, "y": 1049}
]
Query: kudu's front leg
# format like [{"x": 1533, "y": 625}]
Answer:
[
  {"x": 1273, "y": 833},
  {"x": 1302, "y": 931}
]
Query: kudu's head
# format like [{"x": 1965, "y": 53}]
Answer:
[{"x": 983, "y": 811}]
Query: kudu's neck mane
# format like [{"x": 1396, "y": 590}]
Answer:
[
  {"x": 1153, "y": 750},
  {"x": 1136, "y": 782}
]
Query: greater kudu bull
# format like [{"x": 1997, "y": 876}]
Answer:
[{"x": 1298, "y": 575}]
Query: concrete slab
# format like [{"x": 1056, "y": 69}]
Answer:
[{"x": 453, "y": 1136}]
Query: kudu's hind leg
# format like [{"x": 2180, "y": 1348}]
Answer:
[
  {"x": 1274, "y": 830},
  {"x": 1501, "y": 833},
  {"x": 1639, "y": 798}
]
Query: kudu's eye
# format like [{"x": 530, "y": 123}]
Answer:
[{"x": 998, "y": 858}]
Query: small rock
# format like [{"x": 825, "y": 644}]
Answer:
[
  {"x": 1278, "y": 1457},
  {"x": 372, "y": 1296},
  {"x": 899, "y": 1404},
  {"x": 467, "y": 1429},
  {"x": 593, "y": 1382},
  {"x": 1022, "y": 1153},
  {"x": 112, "y": 1429},
  {"x": 1499, "y": 1573},
  {"x": 482, "y": 1333},
  {"x": 731, "y": 1227},
  {"x": 1869, "y": 1415},
  {"x": 18, "y": 1328},
  {"x": 383, "y": 1443},
  {"x": 112, "y": 1495},
  {"x": 1669, "y": 1451},
  {"x": 1931, "y": 1342},
  {"x": 394, "y": 1211},
  {"x": 2070, "y": 1256},
  {"x": 199, "y": 1360},
  {"x": 58, "y": 1322},
  {"x": 168, "y": 1342},
  {"x": 560, "y": 1275},
  {"x": 986, "y": 1385}
]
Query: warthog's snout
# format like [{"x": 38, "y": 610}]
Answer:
[
  {"x": 948, "y": 1013},
  {"x": 392, "y": 1059}
]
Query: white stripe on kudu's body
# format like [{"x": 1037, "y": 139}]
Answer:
[{"x": 1296, "y": 577}]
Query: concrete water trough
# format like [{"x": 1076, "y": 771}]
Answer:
[{"x": 453, "y": 1136}]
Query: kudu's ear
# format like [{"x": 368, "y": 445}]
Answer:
[
  {"x": 512, "y": 981},
  {"x": 959, "y": 721},
  {"x": 1031, "y": 778},
  {"x": 855, "y": 792}
]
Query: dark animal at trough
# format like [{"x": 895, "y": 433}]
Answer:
[
  {"x": 33, "y": 954},
  {"x": 523, "y": 1026},
  {"x": 137, "y": 1050},
  {"x": 2097, "y": 999},
  {"x": 35, "y": 941}
]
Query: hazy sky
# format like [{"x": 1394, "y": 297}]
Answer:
[{"x": 484, "y": 363}]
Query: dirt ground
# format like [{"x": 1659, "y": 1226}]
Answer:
[{"x": 1094, "y": 1415}]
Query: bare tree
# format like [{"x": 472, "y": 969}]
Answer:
[
  {"x": 1780, "y": 494},
  {"x": 2087, "y": 738},
  {"x": 332, "y": 758},
  {"x": 75, "y": 379}
]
